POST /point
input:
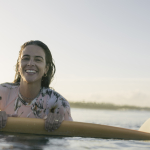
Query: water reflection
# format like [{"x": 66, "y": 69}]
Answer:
[{"x": 24, "y": 141}]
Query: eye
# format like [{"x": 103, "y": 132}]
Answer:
[
  {"x": 37, "y": 60},
  {"x": 25, "y": 58}
]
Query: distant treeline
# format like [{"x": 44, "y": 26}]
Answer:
[{"x": 105, "y": 106}]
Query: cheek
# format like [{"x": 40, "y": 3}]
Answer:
[
  {"x": 42, "y": 68},
  {"x": 43, "y": 71}
]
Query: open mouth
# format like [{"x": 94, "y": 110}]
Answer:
[{"x": 30, "y": 71}]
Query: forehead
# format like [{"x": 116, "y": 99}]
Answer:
[{"x": 33, "y": 50}]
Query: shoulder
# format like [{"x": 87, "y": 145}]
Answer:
[
  {"x": 6, "y": 86},
  {"x": 9, "y": 85},
  {"x": 5, "y": 90},
  {"x": 54, "y": 96},
  {"x": 50, "y": 92}
]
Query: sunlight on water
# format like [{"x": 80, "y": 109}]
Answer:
[{"x": 127, "y": 119}]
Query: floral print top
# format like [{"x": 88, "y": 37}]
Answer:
[{"x": 47, "y": 101}]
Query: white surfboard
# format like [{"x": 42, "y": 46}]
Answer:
[{"x": 146, "y": 126}]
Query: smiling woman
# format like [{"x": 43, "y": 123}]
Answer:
[{"x": 29, "y": 95}]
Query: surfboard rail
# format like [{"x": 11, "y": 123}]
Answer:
[{"x": 72, "y": 129}]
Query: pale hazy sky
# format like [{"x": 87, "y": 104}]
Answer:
[{"x": 101, "y": 48}]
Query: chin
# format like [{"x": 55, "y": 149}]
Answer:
[{"x": 30, "y": 81}]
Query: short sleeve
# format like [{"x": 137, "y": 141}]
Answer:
[
  {"x": 4, "y": 91},
  {"x": 58, "y": 104}
]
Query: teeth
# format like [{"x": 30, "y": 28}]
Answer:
[{"x": 30, "y": 71}]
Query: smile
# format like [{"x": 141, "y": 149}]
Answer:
[{"x": 30, "y": 71}]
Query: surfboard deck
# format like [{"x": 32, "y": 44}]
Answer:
[{"x": 72, "y": 129}]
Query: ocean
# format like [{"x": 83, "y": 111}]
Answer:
[{"x": 131, "y": 119}]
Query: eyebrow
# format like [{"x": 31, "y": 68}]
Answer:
[{"x": 29, "y": 56}]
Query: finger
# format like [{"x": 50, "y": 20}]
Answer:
[
  {"x": 51, "y": 122},
  {"x": 1, "y": 122},
  {"x": 45, "y": 117},
  {"x": 48, "y": 121},
  {"x": 61, "y": 118},
  {"x": 57, "y": 121},
  {"x": 4, "y": 119}
]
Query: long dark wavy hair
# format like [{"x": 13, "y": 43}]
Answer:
[{"x": 49, "y": 61}]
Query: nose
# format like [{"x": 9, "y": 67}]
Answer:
[{"x": 31, "y": 63}]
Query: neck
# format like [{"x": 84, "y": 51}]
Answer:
[{"x": 29, "y": 90}]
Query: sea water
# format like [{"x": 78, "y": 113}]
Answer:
[{"x": 131, "y": 119}]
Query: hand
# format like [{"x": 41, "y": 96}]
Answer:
[
  {"x": 3, "y": 119},
  {"x": 53, "y": 121}
]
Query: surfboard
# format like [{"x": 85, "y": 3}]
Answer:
[
  {"x": 72, "y": 129},
  {"x": 146, "y": 126}
]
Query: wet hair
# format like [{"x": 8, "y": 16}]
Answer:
[{"x": 49, "y": 61}]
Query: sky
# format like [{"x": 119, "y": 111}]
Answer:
[{"x": 101, "y": 48}]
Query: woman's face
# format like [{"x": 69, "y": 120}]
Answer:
[{"x": 32, "y": 64}]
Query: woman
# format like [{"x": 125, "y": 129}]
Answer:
[{"x": 29, "y": 95}]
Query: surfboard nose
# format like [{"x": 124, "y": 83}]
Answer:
[{"x": 146, "y": 126}]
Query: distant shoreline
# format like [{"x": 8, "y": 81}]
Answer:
[{"x": 106, "y": 106}]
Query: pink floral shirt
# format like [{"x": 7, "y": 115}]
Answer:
[{"x": 47, "y": 101}]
